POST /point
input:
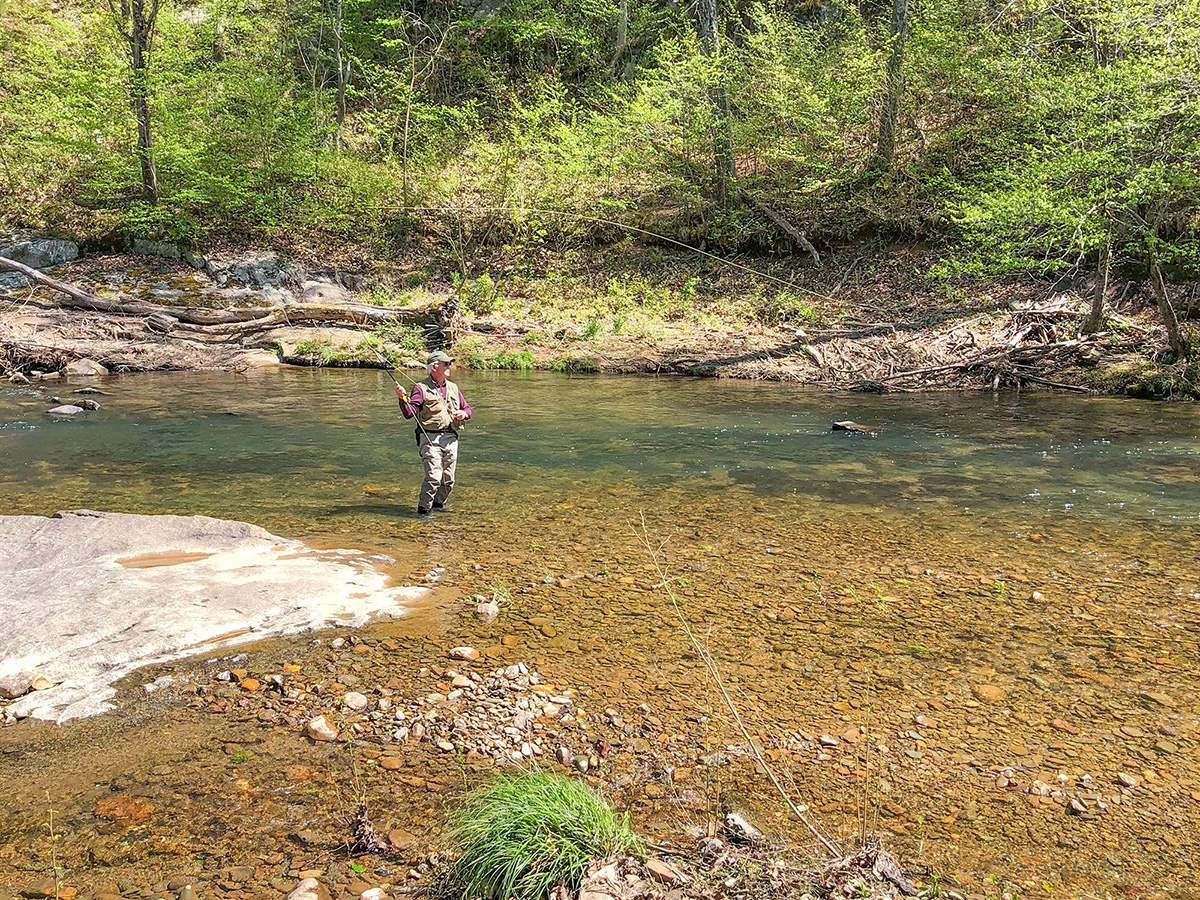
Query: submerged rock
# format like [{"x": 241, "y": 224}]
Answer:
[
  {"x": 851, "y": 428},
  {"x": 85, "y": 367},
  {"x": 319, "y": 729}
]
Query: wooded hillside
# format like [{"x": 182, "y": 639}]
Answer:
[{"x": 1028, "y": 136}]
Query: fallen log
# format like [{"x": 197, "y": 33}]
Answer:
[
  {"x": 34, "y": 275},
  {"x": 235, "y": 320}
]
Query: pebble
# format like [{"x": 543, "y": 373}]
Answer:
[
  {"x": 665, "y": 872},
  {"x": 319, "y": 729},
  {"x": 356, "y": 701},
  {"x": 989, "y": 693},
  {"x": 468, "y": 653},
  {"x": 308, "y": 889}
]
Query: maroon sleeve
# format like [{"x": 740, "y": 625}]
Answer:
[
  {"x": 463, "y": 405},
  {"x": 415, "y": 399}
]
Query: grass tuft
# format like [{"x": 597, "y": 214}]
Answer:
[{"x": 519, "y": 837}]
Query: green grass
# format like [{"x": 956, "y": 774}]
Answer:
[
  {"x": 520, "y": 836},
  {"x": 323, "y": 351},
  {"x": 574, "y": 364},
  {"x": 475, "y": 355}
]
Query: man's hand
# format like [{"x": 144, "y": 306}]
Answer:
[
  {"x": 459, "y": 415},
  {"x": 400, "y": 392}
]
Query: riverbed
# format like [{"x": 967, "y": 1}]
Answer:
[{"x": 944, "y": 631}]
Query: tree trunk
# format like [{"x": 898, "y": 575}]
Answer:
[
  {"x": 1095, "y": 317},
  {"x": 136, "y": 23},
  {"x": 343, "y": 72},
  {"x": 710, "y": 44},
  {"x": 622, "y": 38},
  {"x": 1179, "y": 346},
  {"x": 885, "y": 151}
]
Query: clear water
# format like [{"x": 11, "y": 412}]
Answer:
[
  {"x": 303, "y": 445},
  {"x": 1045, "y": 546}
]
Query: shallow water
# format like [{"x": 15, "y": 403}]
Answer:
[{"x": 1043, "y": 546}]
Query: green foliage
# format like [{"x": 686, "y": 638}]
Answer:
[
  {"x": 1028, "y": 137},
  {"x": 475, "y": 355},
  {"x": 784, "y": 307},
  {"x": 522, "y": 835},
  {"x": 407, "y": 337},
  {"x": 322, "y": 351},
  {"x": 580, "y": 365},
  {"x": 478, "y": 295}
]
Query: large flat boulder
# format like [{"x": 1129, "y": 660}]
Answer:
[
  {"x": 91, "y": 596},
  {"x": 37, "y": 253}
]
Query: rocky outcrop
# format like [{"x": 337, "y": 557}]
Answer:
[
  {"x": 100, "y": 594},
  {"x": 37, "y": 253}
]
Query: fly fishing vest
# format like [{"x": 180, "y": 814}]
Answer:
[{"x": 436, "y": 412}]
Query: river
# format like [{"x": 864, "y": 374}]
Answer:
[{"x": 944, "y": 631}]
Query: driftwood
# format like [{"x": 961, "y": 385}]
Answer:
[
  {"x": 987, "y": 358},
  {"x": 35, "y": 275},
  {"x": 221, "y": 324}
]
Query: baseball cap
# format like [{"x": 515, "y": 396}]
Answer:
[{"x": 439, "y": 356}]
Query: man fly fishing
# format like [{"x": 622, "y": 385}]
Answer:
[{"x": 440, "y": 409}]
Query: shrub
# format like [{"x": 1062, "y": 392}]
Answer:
[
  {"x": 521, "y": 836},
  {"x": 478, "y": 296}
]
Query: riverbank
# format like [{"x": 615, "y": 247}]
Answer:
[{"x": 859, "y": 322}]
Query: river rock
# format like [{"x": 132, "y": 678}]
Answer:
[
  {"x": 161, "y": 249},
  {"x": 85, "y": 367},
  {"x": 488, "y": 611},
  {"x": 319, "y": 729},
  {"x": 356, "y": 701},
  {"x": 309, "y": 889},
  {"x": 257, "y": 359},
  {"x": 87, "y": 404},
  {"x": 323, "y": 292},
  {"x": 468, "y": 653},
  {"x": 740, "y": 830},
  {"x": 67, "y": 409},
  {"x": 123, "y": 809},
  {"x": 989, "y": 693},
  {"x": 16, "y": 684},
  {"x": 850, "y": 427},
  {"x": 665, "y": 872}
]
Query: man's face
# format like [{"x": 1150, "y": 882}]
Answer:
[{"x": 439, "y": 370}]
